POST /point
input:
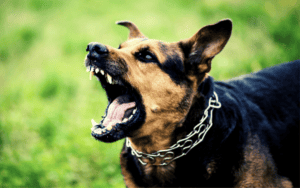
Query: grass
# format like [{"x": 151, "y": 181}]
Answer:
[{"x": 47, "y": 101}]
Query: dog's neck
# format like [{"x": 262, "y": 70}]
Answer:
[{"x": 201, "y": 102}]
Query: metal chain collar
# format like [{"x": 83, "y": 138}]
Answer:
[{"x": 183, "y": 145}]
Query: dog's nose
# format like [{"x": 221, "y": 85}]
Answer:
[{"x": 97, "y": 49}]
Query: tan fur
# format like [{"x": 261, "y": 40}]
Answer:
[
  {"x": 161, "y": 96},
  {"x": 211, "y": 168}
]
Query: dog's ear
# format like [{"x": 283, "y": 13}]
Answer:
[
  {"x": 134, "y": 32},
  {"x": 204, "y": 45}
]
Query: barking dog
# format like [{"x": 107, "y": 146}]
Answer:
[{"x": 182, "y": 128}]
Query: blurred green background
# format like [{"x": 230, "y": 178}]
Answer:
[{"x": 47, "y": 100}]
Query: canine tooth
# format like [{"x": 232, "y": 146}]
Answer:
[
  {"x": 134, "y": 111},
  {"x": 130, "y": 116},
  {"x": 88, "y": 69},
  {"x": 98, "y": 131},
  {"x": 109, "y": 127},
  {"x": 102, "y": 71},
  {"x": 97, "y": 70},
  {"x": 113, "y": 82},
  {"x": 124, "y": 120},
  {"x": 94, "y": 122},
  {"x": 91, "y": 74},
  {"x": 109, "y": 79},
  {"x": 92, "y": 69}
]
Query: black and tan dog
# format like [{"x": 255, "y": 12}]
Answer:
[{"x": 182, "y": 129}]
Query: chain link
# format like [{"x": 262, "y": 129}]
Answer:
[{"x": 185, "y": 144}]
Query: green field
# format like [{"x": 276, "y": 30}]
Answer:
[{"x": 47, "y": 99}]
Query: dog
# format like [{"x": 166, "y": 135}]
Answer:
[{"x": 182, "y": 128}]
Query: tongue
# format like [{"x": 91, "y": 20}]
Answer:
[{"x": 117, "y": 109}]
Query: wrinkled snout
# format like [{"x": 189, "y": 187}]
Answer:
[{"x": 104, "y": 59}]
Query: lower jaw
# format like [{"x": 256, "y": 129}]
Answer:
[
  {"x": 119, "y": 130},
  {"x": 110, "y": 136}
]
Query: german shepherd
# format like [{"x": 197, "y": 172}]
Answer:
[{"x": 183, "y": 129}]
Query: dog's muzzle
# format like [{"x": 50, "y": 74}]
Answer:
[{"x": 125, "y": 112}]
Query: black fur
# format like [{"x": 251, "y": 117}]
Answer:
[
  {"x": 265, "y": 103},
  {"x": 173, "y": 66}
]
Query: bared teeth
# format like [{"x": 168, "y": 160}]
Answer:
[
  {"x": 102, "y": 71},
  {"x": 134, "y": 111},
  {"x": 91, "y": 74},
  {"x": 109, "y": 127},
  {"x": 88, "y": 69},
  {"x": 94, "y": 122},
  {"x": 98, "y": 131},
  {"x": 109, "y": 79},
  {"x": 130, "y": 117},
  {"x": 93, "y": 70}
]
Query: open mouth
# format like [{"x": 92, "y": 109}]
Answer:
[{"x": 124, "y": 113}]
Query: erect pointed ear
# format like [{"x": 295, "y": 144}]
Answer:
[
  {"x": 134, "y": 31},
  {"x": 204, "y": 45}
]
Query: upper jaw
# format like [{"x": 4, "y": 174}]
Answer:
[
  {"x": 105, "y": 76},
  {"x": 94, "y": 70},
  {"x": 100, "y": 67}
]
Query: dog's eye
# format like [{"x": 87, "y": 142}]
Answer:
[
  {"x": 148, "y": 57},
  {"x": 145, "y": 56}
]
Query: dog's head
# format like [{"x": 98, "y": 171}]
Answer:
[{"x": 150, "y": 84}]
